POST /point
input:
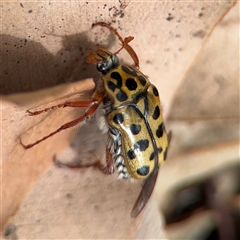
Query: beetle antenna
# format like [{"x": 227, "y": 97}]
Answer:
[{"x": 124, "y": 42}]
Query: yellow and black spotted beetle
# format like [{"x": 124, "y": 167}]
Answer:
[{"x": 137, "y": 140}]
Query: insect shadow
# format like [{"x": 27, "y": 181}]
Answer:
[
  {"x": 88, "y": 144},
  {"x": 33, "y": 67},
  {"x": 69, "y": 66}
]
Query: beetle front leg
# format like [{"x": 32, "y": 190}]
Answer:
[{"x": 93, "y": 105}]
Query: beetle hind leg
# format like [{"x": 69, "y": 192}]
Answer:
[
  {"x": 106, "y": 169},
  {"x": 61, "y": 105}
]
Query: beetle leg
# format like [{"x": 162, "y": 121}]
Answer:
[
  {"x": 62, "y": 105},
  {"x": 95, "y": 164},
  {"x": 108, "y": 169},
  {"x": 94, "y": 103}
]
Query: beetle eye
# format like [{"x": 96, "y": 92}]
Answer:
[
  {"x": 107, "y": 64},
  {"x": 103, "y": 66}
]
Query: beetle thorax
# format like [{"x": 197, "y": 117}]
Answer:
[{"x": 123, "y": 84}]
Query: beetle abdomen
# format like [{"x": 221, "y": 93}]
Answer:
[{"x": 124, "y": 83}]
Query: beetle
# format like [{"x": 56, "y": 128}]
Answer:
[{"x": 137, "y": 140}]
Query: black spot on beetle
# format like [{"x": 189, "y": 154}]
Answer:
[
  {"x": 131, "y": 84},
  {"x": 143, "y": 171},
  {"x": 129, "y": 70},
  {"x": 160, "y": 130},
  {"x": 155, "y": 91},
  {"x": 111, "y": 85},
  {"x": 131, "y": 154},
  {"x": 142, "y": 80},
  {"x": 117, "y": 76},
  {"x": 121, "y": 96},
  {"x": 118, "y": 118},
  {"x": 142, "y": 145},
  {"x": 159, "y": 149},
  {"x": 135, "y": 129},
  {"x": 152, "y": 156},
  {"x": 156, "y": 113}
]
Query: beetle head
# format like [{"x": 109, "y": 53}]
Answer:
[{"x": 104, "y": 59}]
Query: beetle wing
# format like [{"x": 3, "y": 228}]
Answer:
[
  {"x": 136, "y": 141},
  {"x": 145, "y": 193},
  {"x": 152, "y": 108}
]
